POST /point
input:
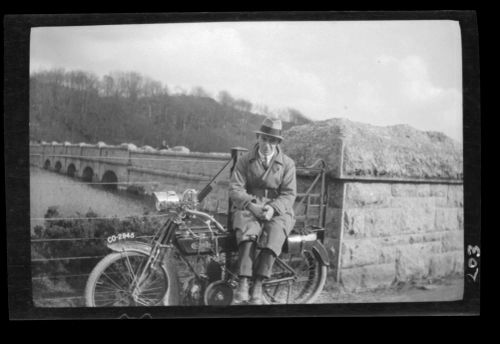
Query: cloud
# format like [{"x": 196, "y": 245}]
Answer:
[
  {"x": 401, "y": 90},
  {"x": 376, "y": 72},
  {"x": 419, "y": 86}
]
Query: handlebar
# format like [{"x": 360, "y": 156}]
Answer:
[{"x": 207, "y": 217}]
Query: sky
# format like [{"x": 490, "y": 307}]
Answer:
[{"x": 376, "y": 72}]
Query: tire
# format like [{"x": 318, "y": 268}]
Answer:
[
  {"x": 110, "y": 282},
  {"x": 311, "y": 278}
]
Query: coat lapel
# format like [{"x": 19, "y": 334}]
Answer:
[{"x": 262, "y": 175}]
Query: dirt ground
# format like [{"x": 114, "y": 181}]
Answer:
[{"x": 448, "y": 289}]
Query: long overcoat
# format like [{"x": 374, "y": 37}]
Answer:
[{"x": 276, "y": 186}]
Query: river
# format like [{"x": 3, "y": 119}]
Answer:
[{"x": 72, "y": 197}]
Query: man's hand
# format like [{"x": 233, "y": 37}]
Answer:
[
  {"x": 256, "y": 210},
  {"x": 267, "y": 212}
]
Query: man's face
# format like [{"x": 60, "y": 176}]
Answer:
[{"x": 267, "y": 144}]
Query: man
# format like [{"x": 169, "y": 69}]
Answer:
[{"x": 263, "y": 190}]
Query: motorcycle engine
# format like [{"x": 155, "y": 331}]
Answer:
[{"x": 194, "y": 292}]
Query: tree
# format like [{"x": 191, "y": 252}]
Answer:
[
  {"x": 243, "y": 105},
  {"x": 262, "y": 109},
  {"x": 225, "y": 98},
  {"x": 296, "y": 117},
  {"x": 108, "y": 86},
  {"x": 152, "y": 88},
  {"x": 122, "y": 107},
  {"x": 199, "y": 92}
]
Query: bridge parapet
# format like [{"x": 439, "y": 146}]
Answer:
[{"x": 141, "y": 170}]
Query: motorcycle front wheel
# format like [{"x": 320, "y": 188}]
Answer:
[
  {"x": 122, "y": 279},
  {"x": 305, "y": 287}
]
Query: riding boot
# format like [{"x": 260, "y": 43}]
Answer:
[
  {"x": 265, "y": 263},
  {"x": 263, "y": 270},
  {"x": 241, "y": 294},
  {"x": 246, "y": 252},
  {"x": 245, "y": 266},
  {"x": 257, "y": 298}
]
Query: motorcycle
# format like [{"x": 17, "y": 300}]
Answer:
[{"x": 140, "y": 273}]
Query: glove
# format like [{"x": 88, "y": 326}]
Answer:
[
  {"x": 255, "y": 209},
  {"x": 267, "y": 212}
]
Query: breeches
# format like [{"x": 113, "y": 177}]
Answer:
[
  {"x": 247, "y": 256},
  {"x": 269, "y": 234}
]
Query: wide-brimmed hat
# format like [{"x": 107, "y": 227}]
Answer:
[{"x": 271, "y": 127}]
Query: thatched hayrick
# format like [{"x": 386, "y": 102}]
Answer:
[{"x": 360, "y": 149}]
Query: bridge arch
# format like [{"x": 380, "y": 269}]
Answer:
[
  {"x": 58, "y": 166},
  {"x": 88, "y": 174},
  {"x": 46, "y": 165},
  {"x": 110, "y": 180},
  {"x": 71, "y": 171}
]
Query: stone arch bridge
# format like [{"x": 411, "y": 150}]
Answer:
[{"x": 138, "y": 170}]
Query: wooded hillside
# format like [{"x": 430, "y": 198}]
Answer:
[{"x": 78, "y": 106}]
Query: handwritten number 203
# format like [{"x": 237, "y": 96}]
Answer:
[{"x": 472, "y": 263}]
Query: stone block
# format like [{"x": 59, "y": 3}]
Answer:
[
  {"x": 351, "y": 279},
  {"x": 446, "y": 263},
  {"x": 438, "y": 190},
  {"x": 367, "y": 277},
  {"x": 387, "y": 221},
  {"x": 407, "y": 215},
  {"x": 431, "y": 236},
  {"x": 412, "y": 202},
  {"x": 377, "y": 223},
  {"x": 452, "y": 241},
  {"x": 449, "y": 219},
  {"x": 367, "y": 195},
  {"x": 357, "y": 253},
  {"x": 423, "y": 190},
  {"x": 404, "y": 240},
  {"x": 460, "y": 219},
  {"x": 441, "y": 202},
  {"x": 412, "y": 261},
  {"x": 354, "y": 223},
  {"x": 332, "y": 247},
  {"x": 421, "y": 217},
  {"x": 455, "y": 196},
  {"x": 403, "y": 190}
]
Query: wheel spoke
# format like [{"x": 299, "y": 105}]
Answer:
[
  {"x": 145, "y": 300},
  {"x": 305, "y": 284},
  {"x": 111, "y": 290},
  {"x": 113, "y": 284},
  {"x": 130, "y": 268},
  {"x": 124, "y": 275},
  {"x": 108, "y": 303}
]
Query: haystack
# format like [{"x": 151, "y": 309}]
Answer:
[{"x": 398, "y": 151}]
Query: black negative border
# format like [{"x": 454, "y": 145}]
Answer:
[{"x": 16, "y": 153}]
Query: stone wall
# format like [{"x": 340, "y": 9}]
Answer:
[
  {"x": 395, "y": 201},
  {"x": 400, "y": 232}
]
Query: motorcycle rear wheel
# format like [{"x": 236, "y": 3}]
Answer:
[
  {"x": 310, "y": 279},
  {"x": 110, "y": 283}
]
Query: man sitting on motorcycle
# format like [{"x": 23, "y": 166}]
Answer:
[{"x": 263, "y": 190}]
